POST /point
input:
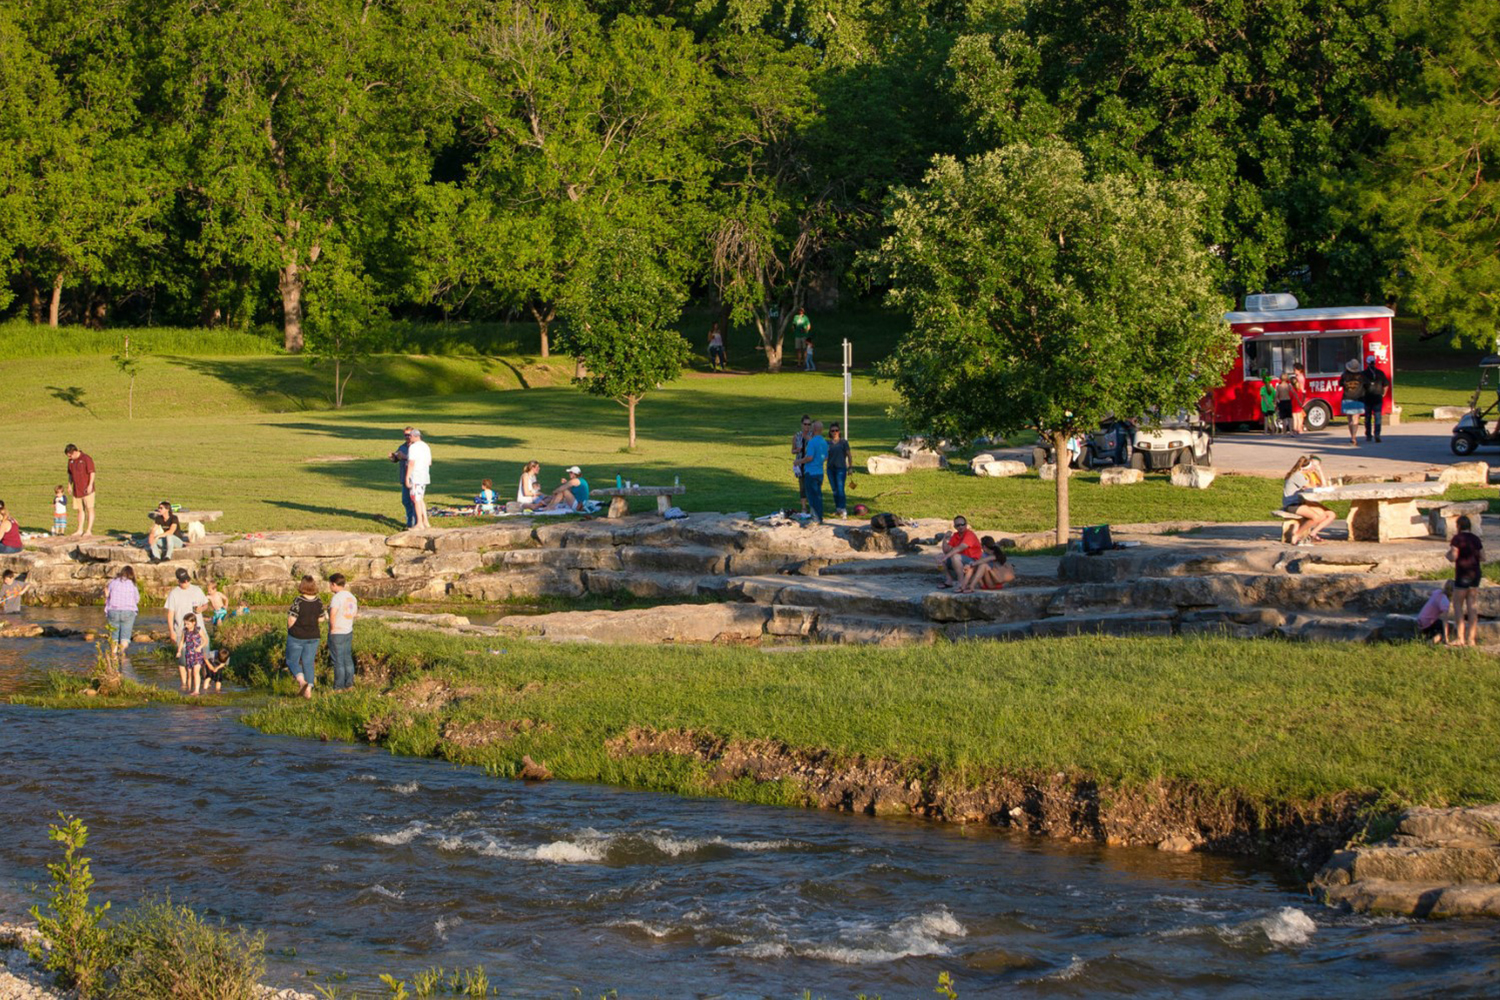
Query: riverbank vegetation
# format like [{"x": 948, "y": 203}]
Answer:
[{"x": 1263, "y": 722}]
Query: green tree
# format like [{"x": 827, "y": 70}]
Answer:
[
  {"x": 620, "y": 307},
  {"x": 1040, "y": 297},
  {"x": 80, "y": 950},
  {"x": 302, "y": 128},
  {"x": 572, "y": 123},
  {"x": 1435, "y": 185},
  {"x": 343, "y": 316}
]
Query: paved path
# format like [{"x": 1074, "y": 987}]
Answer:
[{"x": 1410, "y": 448}]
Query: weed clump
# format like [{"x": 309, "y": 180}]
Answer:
[{"x": 167, "y": 950}]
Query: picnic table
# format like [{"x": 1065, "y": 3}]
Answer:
[
  {"x": 186, "y": 517},
  {"x": 618, "y": 507},
  {"x": 1380, "y": 512}
]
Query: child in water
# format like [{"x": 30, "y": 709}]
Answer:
[
  {"x": 190, "y": 648},
  {"x": 218, "y": 602},
  {"x": 484, "y": 503},
  {"x": 213, "y": 673}
]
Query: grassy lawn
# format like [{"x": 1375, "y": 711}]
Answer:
[{"x": 1266, "y": 719}]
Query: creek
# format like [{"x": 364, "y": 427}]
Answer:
[{"x": 354, "y": 863}]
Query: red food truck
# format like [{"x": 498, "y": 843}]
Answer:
[{"x": 1275, "y": 334}]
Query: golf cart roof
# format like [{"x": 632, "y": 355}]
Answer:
[{"x": 1490, "y": 361}]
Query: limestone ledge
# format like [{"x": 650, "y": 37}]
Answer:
[
  {"x": 643, "y": 555},
  {"x": 1437, "y": 863}
]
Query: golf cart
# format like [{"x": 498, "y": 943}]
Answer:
[
  {"x": 1112, "y": 444},
  {"x": 1471, "y": 431},
  {"x": 1180, "y": 439}
]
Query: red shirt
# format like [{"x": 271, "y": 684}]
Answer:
[
  {"x": 967, "y": 541},
  {"x": 80, "y": 471}
]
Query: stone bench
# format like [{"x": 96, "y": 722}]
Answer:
[
  {"x": 1289, "y": 523},
  {"x": 619, "y": 507},
  {"x": 1442, "y": 516}
]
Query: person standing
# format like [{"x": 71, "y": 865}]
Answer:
[
  {"x": 343, "y": 608},
  {"x": 807, "y": 346},
  {"x": 302, "y": 634},
  {"x": 185, "y": 599},
  {"x": 399, "y": 457},
  {"x": 81, "y": 475},
  {"x": 418, "y": 475},
  {"x": 716, "y": 360},
  {"x": 1465, "y": 552},
  {"x": 1284, "y": 405},
  {"x": 1268, "y": 403},
  {"x": 1353, "y": 383},
  {"x": 1299, "y": 396},
  {"x": 1376, "y": 386},
  {"x": 815, "y": 449},
  {"x": 799, "y": 449},
  {"x": 10, "y": 532},
  {"x": 122, "y": 602},
  {"x": 839, "y": 462},
  {"x": 801, "y": 330}
]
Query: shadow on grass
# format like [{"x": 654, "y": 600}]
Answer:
[{"x": 72, "y": 395}]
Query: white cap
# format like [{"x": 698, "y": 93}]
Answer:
[{"x": 573, "y": 468}]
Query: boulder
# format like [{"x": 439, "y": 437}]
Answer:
[
  {"x": 535, "y": 583},
  {"x": 1117, "y": 476},
  {"x": 914, "y": 445},
  {"x": 438, "y": 564},
  {"x": 887, "y": 465},
  {"x": 1466, "y": 474},
  {"x": 638, "y": 584},
  {"x": 112, "y": 552},
  {"x": 1454, "y": 413},
  {"x": 921, "y": 458},
  {"x": 980, "y": 459},
  {"x": 1001, "y": 468},
  {"x": 1047, "y": 473},
  {"x": 1193, "y": 477}
]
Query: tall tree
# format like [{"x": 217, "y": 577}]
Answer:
[
  {"x": 1258, "y": 103},
  {"x": 1435, "y": 185},
  {"x": 570, "y": 121},
  {"x": 1042, "y": 298},
  {"x": 298, "y": 129}
]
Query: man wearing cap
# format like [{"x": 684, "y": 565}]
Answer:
[
  {"x": 81, "y": 476},
  {"x": 1376, "y": 386},
  {"x": 418, "y": 474},
  {"x": 572, "y": 492}
]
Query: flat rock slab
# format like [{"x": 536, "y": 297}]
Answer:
[
  {"x": 1436, "y": 900},
  {"x": 470, "y": 538},
  {"x": 314, "y": 544},
  {"x": 893, "y": 597},
  {"x": 693, "y": 623}
]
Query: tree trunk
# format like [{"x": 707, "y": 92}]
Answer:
[
  {"x": 543, "y": 321},
  {"x": 35, "y": 303},
  {"x": 770, "y": 342},
  {"x": 291, "y": 307},
  {"x": 630, "y": 402},
  {"x": 338, "y": 387},
  {"x": 56, "y": 307},
  {"x": 1060, "y": 449}
]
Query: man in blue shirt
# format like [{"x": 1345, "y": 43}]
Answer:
[
  {"x": 399, "y": 457},
  {"x": 815, "y": 450}
]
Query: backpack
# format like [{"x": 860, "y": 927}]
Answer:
[{"x": 1096, "y": 540}]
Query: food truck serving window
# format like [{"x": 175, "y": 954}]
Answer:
[
  {"x": 1274, "y": 355},
  {"x": 1328, "y": 355}
]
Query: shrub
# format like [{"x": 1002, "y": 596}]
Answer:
[
  {"x": 80, "y": 949},
  {"x": 170, "y": 951}
]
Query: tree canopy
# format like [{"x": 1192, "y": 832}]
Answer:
[{"x": 199, "y": 162}]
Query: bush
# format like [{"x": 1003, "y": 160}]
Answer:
[
  {"x": 80, "y": 948},
  {"x": 170, "y": 951}
]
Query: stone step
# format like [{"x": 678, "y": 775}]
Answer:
[
  {"x": 855, "y": 596},
  {"x": 1009, "y": 605},
  {"x": 1128, "y": 623},
  {"x": 875, "y": 631},
  {"x": 639, "y": 584}
]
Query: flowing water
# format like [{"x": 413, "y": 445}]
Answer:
[{"x": 355, "y": 863}]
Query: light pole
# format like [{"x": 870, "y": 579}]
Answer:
[{"x": 848, "y": 384}]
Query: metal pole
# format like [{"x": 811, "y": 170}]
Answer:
[{"x": 848, "y": 386}]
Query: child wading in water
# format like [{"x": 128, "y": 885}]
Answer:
[
  {"x": 218, "y": 602},
  {"x": 191, "y": 651},
  {"x": 60, "y": 511},
  {"x": 214, "y": 673}
]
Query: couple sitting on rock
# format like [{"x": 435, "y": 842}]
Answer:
[
  {"x": 571, "y": 494},
  {"x": 973, "y": 563}
]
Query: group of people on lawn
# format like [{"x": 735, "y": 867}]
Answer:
[{"x": 413, "y": 459}]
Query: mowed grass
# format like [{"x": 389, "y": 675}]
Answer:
[{"x": 1265, "y": 719}]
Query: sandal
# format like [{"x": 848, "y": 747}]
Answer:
[{"x": 945, "y": 585}]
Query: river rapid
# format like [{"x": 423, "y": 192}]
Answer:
[{"x": 355, "y": 863}]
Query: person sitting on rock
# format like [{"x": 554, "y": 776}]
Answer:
[
  {"x": 1313, "y": 517},
  {"x": 991, "y": 572},
  {"x": 529, "y": 489},
  {"x": 961, "y": 549},
  {"x": 569, "y": 495},
  {"x": 165, "y": 537}
]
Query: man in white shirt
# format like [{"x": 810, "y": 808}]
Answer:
[
  {"x": 184, "y": 599},
  {"x": 418, "y": 475},
  {"x": 343, "y": 608}
]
